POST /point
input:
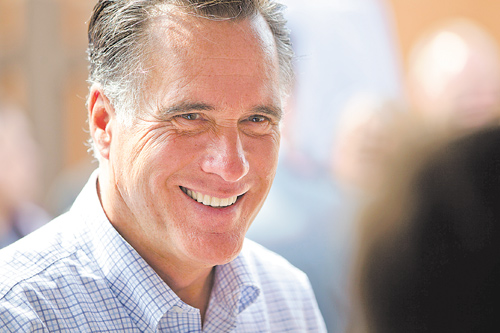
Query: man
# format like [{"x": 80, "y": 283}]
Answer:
[{"x": 184, "y": 113}]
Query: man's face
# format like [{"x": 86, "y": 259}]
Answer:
[{"x": 191, "y": 173}]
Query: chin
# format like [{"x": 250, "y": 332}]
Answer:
[{"x": 217, "y": 249}]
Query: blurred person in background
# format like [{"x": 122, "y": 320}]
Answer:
[
  {"x": 454, "y": 77},
  {"x": 368, "y": 134},
  {"x": 428, "y": 257},
  {"x": 19, "y": 178},
  {"x": 342, "y": 47}
]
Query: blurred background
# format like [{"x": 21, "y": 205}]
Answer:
[
  {"x": 43, "y": 71},
  {"x": 360, "y": 65}
]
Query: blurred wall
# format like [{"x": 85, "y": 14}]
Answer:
[
  {"x": 414, "y": 17},
  {"x": 43, "y": 69}
]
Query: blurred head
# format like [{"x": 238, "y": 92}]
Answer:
[
  {"x": 367, "y": 136},
  {"x": 430, "y": 241},
  {"x": 454, "y": 77},
  {"x": 186, "y": 174}
]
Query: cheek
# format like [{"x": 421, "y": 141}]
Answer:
[
  {"x": 135, "y": 160},
  {"x": 167, "y": 159},
  {"x": 263, "y": 155}
]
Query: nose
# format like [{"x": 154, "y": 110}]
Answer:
[{"x": 226, "y": 156}]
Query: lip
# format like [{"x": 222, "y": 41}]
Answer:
[{"x": 214, "y": 220}]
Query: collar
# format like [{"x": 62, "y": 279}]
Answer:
[{"x": 236, "y": 285}]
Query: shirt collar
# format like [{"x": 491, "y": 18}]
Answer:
[
  {"x": 137, "y": 286},
  {"x": 236, "y": 285}
]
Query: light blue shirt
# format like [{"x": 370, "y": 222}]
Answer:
[{"x": 77, "y": 274}]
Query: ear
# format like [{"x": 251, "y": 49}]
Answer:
[{"x": 101, "y": 118}]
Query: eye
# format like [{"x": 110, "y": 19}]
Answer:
[
  {"x": 190, "y": 116},
  {"x": 190, "y": 122},
  {"x": 257, "y": 124},
  {"x": 257, "y": 119}
]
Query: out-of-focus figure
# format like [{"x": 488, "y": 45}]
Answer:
[
  {"x": 454, "y": 77},
  {"x": 342, "y": 48},
  {"x": 428, "y": 260},
  {"x": 368, "y": 134},
  {"x": 367, "y": 137},
  {"x": 19, "y": 177}
]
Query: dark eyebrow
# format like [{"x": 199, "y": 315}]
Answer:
[
  {"x": 273, "y": 111},
  {"x": 184, "y": 108}
]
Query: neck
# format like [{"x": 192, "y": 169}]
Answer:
[
  {"x": 193, "y": 285},
  {"x": 196, "y": 293}
]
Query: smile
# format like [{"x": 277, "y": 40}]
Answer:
[{"x": 208, "y": 200}]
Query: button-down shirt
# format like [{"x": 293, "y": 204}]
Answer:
[{"x": 77, "y": 274}]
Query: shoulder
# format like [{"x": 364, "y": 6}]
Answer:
[
  {"x": 37, "y": 254},
  {"x": 47, "y": 277},
  {"x": 275, "y": 274}
]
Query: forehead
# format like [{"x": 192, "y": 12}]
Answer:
[
  {"x": 231, "y": 59},
  {"x": 177, "y": 36}
]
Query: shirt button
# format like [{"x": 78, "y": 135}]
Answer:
[{"x": 177, "y": 309}]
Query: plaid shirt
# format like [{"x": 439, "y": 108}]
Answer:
[{"x": 77, "y": 274}]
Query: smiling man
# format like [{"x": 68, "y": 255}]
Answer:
[{"x": 185, "y": 106}]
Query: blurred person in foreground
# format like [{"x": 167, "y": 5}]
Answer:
[
  {"x": 454, "y": 77},
  {"x": 184, "y": 109},
  {"x": 19, "y": 178},
  {"x": 428, "y": 259}
]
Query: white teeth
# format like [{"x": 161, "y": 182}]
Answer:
[
  {"x": 215, "y": 202},
  {"x": 208, "y": 200}
]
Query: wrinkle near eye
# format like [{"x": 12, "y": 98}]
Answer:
[{"x": 149, "y": 138}]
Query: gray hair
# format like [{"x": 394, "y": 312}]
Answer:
[{"x": 118, "y": 35}]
